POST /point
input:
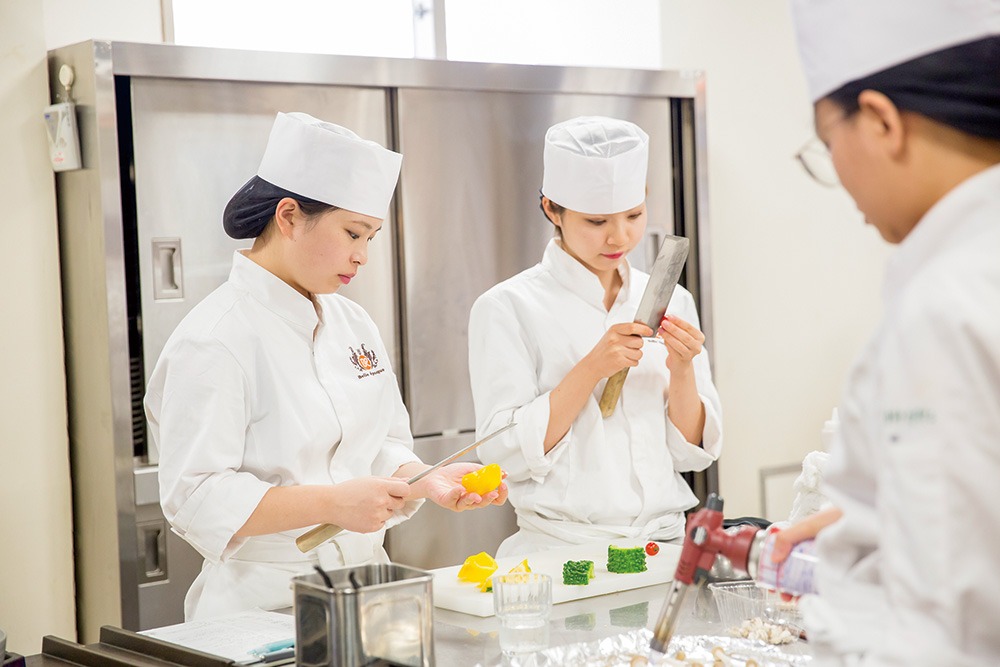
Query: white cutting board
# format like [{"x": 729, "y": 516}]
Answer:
[{"x": 450, "y": 593}]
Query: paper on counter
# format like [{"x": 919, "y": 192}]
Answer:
[{"x": 231, "y": 637}]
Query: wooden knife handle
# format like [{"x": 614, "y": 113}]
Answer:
[
  {"x": 612, "y": 390},
  {"x": 306, "y": 542}
]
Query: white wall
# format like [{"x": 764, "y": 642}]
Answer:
[
  {"x": 72, "y": 21},
  {"x": 36, "y": 547},
  {"x": 796, "y": 273}
]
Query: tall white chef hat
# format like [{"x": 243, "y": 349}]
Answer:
[
  {"x": 844, "y": 40},
  {"x": 329, "y": 163},
  {"x": 595, "y": 165}
]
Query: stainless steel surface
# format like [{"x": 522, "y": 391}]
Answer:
[
  {"x": 168, "y": 269},
  {"x": 472, "y": 134},
  {"x": 461, "y": 639},
  {"x": 436, "y": 537},
  {"x": 666, "y": 626},
  {"x": 371, "y": 613},
  {"x": 662, "y": 281},
  {"x": 97, "y": 350},
  {"x": 222, "y": 127},
  {"x": 470, "y": 218},
  {"x": 165, "y": 563},
  {"x": 189, "y": 62},
  {"x": 459, "y": 454},
  {"x": 147, "y": 485}
]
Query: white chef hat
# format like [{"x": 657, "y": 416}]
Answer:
[
  {"x": 844, "y": 40},
  {"x": 595, "y": 165},
  {"x": 330, "y": 164}
]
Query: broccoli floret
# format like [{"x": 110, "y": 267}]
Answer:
[
  {"x": 578, "y": 572},
  {"x": 626, "y": 561}
]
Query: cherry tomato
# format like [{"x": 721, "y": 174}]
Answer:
[{"x": 652, "y": 549}]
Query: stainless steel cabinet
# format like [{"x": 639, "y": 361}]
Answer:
[
  {"x": 169, "y": 133},
  {"x": 470, "y": 218}
]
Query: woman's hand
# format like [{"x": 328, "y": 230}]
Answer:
[
  {"x": 619, "y": 347},
  {"x": 805, "y": 529},
  {"x": 444, "y": 488},
  {"x": 363, "y": 505},
  {"x": 683, "y": 341}
]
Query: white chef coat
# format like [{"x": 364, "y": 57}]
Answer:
[
  {"x": 607, "y": 478},
  {"x": 908, "y": 576},
  {"x": 256, "y": 389}
]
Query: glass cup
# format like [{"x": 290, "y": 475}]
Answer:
[{"x": 523, "y": 602}]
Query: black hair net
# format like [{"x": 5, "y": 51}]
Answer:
[
  {"x": 253, "y": 206},
  {"x": 958, "y": 86}
]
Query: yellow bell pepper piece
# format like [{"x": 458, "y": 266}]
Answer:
[
  {"x": 484, "y": 480},
  {"x": 478, "y": 568},
  {"x": 487, "y": 586}
]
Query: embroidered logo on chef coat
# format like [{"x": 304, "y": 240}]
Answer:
[{"x": 365, "y": 361}]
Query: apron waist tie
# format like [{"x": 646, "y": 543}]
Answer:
[{"x": 663, "y": 528}]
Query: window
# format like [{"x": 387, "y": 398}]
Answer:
[
  {"x": 601, "y": 33},
  {"x": 346, "y": 27}
]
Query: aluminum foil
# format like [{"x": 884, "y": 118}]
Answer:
[{"x": 632, "y": 650}]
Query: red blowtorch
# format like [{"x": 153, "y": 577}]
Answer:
[{"x": 704, "y": 539}]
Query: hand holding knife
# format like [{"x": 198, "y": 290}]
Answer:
[
  {"x": 663, "y": 279},
  {"x": 320, "y": 534}
]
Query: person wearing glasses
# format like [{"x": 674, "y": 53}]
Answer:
[
  {"x": 542, "y": 343},
  {"x": 273, "y": 404},
  {"x": 907, "y": 102}
]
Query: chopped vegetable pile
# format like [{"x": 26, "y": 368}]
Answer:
[
  {"x": 626, "y": 561},
  {"x": 523, "y": 566},
  {"x": 578, "y": 572}
]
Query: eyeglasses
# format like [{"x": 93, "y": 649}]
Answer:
[{"x": 815, "y": 158}]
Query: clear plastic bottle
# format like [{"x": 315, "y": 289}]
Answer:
[{"x": 794, "y": 575}]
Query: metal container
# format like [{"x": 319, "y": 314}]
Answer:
[{"x": 372, "y": 615}]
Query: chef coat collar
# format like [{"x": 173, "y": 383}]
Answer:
[
  {"x": 273, "y": 293},
  {"x": 577, "y": 278},
  {"x": 948, "y": 221}
]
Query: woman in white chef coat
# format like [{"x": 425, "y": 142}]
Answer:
[
  {"x": 542, "y": 344},
  {"x": 910, "y": 115},
  {"x": 273, "y": 404}
]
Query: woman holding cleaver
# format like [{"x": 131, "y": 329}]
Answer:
[
  {"x": 543, "y": 342},
  {"x": 273, "y": 404}
]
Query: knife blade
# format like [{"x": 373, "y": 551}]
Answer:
[
  {"x": 652, "y": 306},
  {"x": 310, "y": 540}
]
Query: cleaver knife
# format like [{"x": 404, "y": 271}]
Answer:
[{"x": 662, "y": 281}]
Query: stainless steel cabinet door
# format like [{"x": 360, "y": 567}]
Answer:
[
  {"x": 195, "y": 144},
  {"x": 472, "y": 169}
]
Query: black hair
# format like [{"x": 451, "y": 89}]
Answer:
[
  {"x": 958, "y": 86},
  {"x": 253, "y": 206},
  {"x": 556, "y": 208}
]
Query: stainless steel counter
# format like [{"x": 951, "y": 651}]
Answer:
[{"x": 463, "y": 641}]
